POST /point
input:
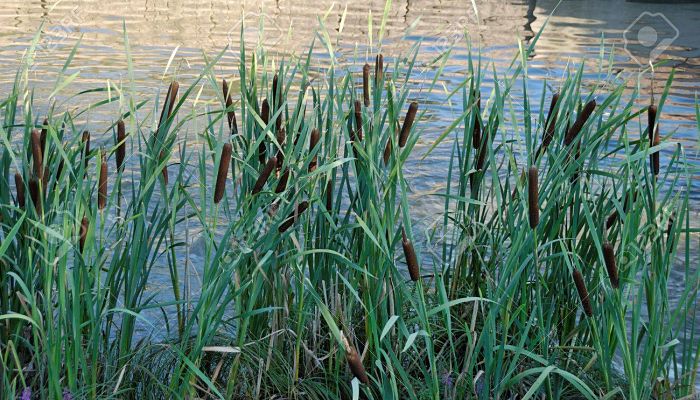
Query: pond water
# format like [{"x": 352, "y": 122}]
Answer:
[{"x": 156, "y": 28}]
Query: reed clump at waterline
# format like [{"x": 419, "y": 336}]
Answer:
[{"x": 163, "y": 279}]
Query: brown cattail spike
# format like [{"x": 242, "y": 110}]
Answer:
[
  {"x": 230, "y": 112},
  {"x": 84, "y": 226},
  {"x": 313, "y": 142},
  {"x": 410, "y": 254},
  {"x": 378, "y": 69},
  {"x": 264, "y": 175},
  {"x": 582, "y": 293},
  {"x": 355, "y": 363},
  {"x": 329, "y": 196},
  {"x": 580, "y": 121},
  {"x": 102, "y": 188},
  {"x": 610, "y": 265},
  {"x": 293, "y": 217},
  {"x": 550, "y": 124},
  {"x": 37, "y": 155},
  {"x": 224, "y": 163},
  {"x": 121, "y": 145},
  {"x": 655, "y": 164},
  {"x": 533, "y": 197},
  {"x": 19, "y": 185},
  {"x": 476, "y": 132},
  {"x": 358, "y": 120},
  {"x": 651, "y": 118},
  {"x": 86, "y": 146},
  {"x": 265, "y": 116},
  {"x": 365, "y": 84},
  {"x": 170, "y": 99},
  {"x": 282, "y": 183},
  {"x": 408, "y": 123},
  {"x": 35, "y": 193}
]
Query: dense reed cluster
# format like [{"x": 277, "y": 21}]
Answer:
[{"x": 547, "y": 275}]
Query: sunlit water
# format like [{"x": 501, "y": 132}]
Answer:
[{"x": 156, "y": 28}]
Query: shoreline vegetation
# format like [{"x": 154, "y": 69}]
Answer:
[{"x": 546, "y": 276}]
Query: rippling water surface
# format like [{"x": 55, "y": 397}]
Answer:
[{"x": 157, "y": 27}]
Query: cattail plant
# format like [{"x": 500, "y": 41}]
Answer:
[
  {"x": 35, "y": 193},
  {"x": 37, "y": 155},
  {"x": 550, "y": 124},
  {"x": 313, "y": 142},
  {"x": 84, "y": 226},
  {"x": 170, "y": 98},
  {"x": 224, "y": 162},
  {"x": 86, "y": 146},
  {"x": 44, "y": 134},
  {"x": 610, "y": 265},
  {"x": 282, "y": 182},
  {"x": 476, "y": 132},
  {"x": 410, "y": 254},
  {"x": 365, "y": 84},
  {"x": 655, "y": 163},
  {"x": 102, "y": 188},
  {"x": 121, "y": 145},
  {"x": 582, "y": 293},
  {"x": 378, "y": 69},
  {"x": 408, "y": 123},
  {"x": 293, "y": 217},
  {"x": 264, "y": 175},
  {"x": 651, "y": 119},
  {"x": 329, "y": 196},
  {"x": 533, "y": 197},
  {"x": 231, "y": 113},
  {"x": 265, "y": 116},
  {"x": 358, "y": 121},
  {"x": 581, "y": 119},
  {"x": 354, "y": 362},
  {"x": 19, "y": 185}
]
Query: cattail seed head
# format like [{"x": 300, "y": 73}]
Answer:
[
  {"x": 610, "y": 265},
  {"x": 231, "y": 113},
  {"x": 84, "y": 226},
  {"x": 293, "y": 217},
  {"x": 387, "y": 151},
  {"x": 582, "y": 293},
  {"x": 329, "y": 196},
  {"x": 170, "y": 99},
  {"x": 313, "y": 142},
  {"x": 264, "y": 175},
  {"x": 35, "y": 193},
  {"x": 550, "y": 123},
  {"x": 655, "y": 163},
  {"x": 86, "y": 146},
  {"x": 355, "y": 364},
  {"x": 102, "y": 188},
  {"x": 224, "y": 163},
  {"x": 121, "y": 145},
  {"x": 19, "y": 184},
  {"x": 612, "y": 218},
  {"x": 476, "y": 132},
  {"x": 365, "y": 84},
  {"x": 580, "y": 121},
  {"x": 533, "y": 197},
  {"x": 358, "y": 120},
  {"x": 378, "y": 69},
  {"x": 265, "y": 111},
  {"x": 411, "y": 258},
  {"x": 651, "y": 119},
  {"x": 282, "y": 183},
  {"x": 37, "y": 155},
  {"x": 408, "y": 123}
]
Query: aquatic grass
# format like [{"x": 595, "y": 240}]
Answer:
[{"x": 192, "y": 289}]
